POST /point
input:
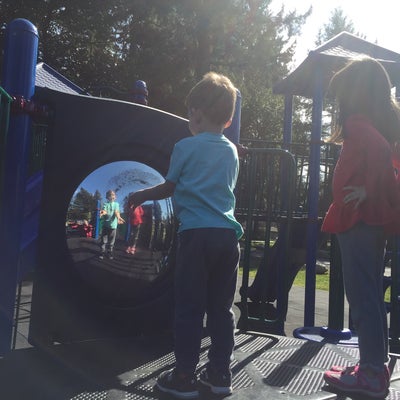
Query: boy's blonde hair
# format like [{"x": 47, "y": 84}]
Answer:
[
  {"x": 215, "y": 96},
  {"x": 109, "y": 193}
]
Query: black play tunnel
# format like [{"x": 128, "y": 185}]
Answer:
[{"x": 75, "y": 296}]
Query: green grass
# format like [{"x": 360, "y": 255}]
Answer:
[{"x": 321, "y": 281}]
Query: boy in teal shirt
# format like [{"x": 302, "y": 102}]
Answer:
[
  {"x": 111, "y": 218},
  {"x": 201, "y": 178}
]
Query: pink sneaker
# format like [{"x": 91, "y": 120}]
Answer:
[
  {"x": 130, "y": 250},
  {"x": 350, "y": 368},
  {"x": 354, "y": 380},
  {"x": 340, "y": 368}
]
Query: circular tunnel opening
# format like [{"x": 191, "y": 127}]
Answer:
[{"x": 132, "y": 269}]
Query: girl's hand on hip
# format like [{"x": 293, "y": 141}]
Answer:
[{"x": 357, "y": 194}]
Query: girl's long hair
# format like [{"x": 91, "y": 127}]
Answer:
[{"x": 363, "y": 87}]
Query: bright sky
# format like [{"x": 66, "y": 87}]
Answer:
[{"x": 378, "y": 20}]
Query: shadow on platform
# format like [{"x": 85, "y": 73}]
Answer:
[{"x": 265, "y": 366}]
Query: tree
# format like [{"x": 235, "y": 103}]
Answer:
[
  {"x": 338, "y": 22},
  {"x": 83, "y": 205},
  {"x": 169, "y": 44},
  {"x": 239, "y": 38}
]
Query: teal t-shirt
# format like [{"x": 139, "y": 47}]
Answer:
[
  {"x": 204, "y": 169},
  {"x": 110, "y": 220}
]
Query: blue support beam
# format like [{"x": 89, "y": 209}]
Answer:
[
  {"x": 20, "y": 59},
  {"x": 313, "y": 197}
]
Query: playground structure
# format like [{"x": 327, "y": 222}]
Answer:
[{"x": 68, "y": 302}]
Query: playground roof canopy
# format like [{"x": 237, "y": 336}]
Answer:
[
  {"x": 329, "y": 58},
  {"x": 47, "y": 77}
]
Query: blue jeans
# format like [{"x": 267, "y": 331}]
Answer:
[
  {"x": 205, "y": 282},
  {"x": 362, "y": 249}
]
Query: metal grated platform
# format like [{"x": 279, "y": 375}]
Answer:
[{"x": 265, "y": 366}]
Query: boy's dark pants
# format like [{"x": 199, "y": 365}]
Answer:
[
  {"x": 205, "y": 282},
  {"x": 107, "y": 239}
]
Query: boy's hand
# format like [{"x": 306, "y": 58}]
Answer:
[
  {"x": 357, "y": 193},
  {"x": 121, "y": 220},
  {"x": 134, "y": 200},
  {"x": 103, "y": 212},
  {"x": 158, "y": 192}
]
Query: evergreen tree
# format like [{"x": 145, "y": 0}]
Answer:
[
  {"x": 169, "y": 44},
  {"x": 83, "y": 205},
  {"x": 338, "y": 22}
]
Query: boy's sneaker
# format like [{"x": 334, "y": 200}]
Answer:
[
  {"x": 181, "y": 388},
  {"x": 217, "y": 382},
  {"x": 355, "y": 380}
]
